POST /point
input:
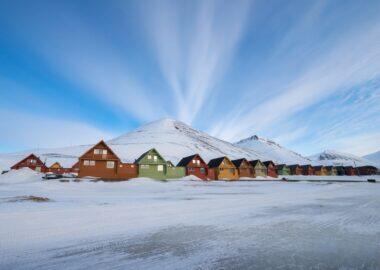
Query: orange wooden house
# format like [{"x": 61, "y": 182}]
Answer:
[
  {"x": 271, "y": 168},
  {"x": 320, "y": 170},
  {"x": 101, "y": 162},
  {"x": 295, "y": 169},
  {"x": 244, "y": 168},
  {"x": 222, "y": 169},
  {"x": 32, "y": 162}
]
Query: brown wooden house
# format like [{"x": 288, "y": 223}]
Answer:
[
  {"x": 245, "y": 169},
  {"x": 101, "y": 162},
  {"x": 223, "y": 169},
  {"x": 295, "y": 169},
  {"x": 349, "y": 170},
  {"x": 307, "y": 169},
  {"x": 32, "y": 162},
  {"x": 367, "y": 170},
  {"x": 320, "y": 170},
  {"x": 194, "y": 165},
  {"x": 271, "y": 168}
]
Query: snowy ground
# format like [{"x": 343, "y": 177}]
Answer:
[{"x": 145, "y": 224}]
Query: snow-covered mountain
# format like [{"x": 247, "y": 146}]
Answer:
[
  {"x": 374, "y": 157},
  {"x": 272, "y": 150},
  {"x": 174, "y": 140},
  {"x": 332, "y": 157}
]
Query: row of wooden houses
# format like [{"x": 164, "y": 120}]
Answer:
[{"x": 102, "y": 162}]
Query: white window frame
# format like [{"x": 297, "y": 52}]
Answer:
[
  {"x": 86, "y": 162},
  {"x": 144, "y": 166},
  {"x": 104, "y": 151},
  {"x": 110, "y": 164},
  {"x": 92, "y": 162},
  {"x": 155, "y": 158},
  {"x": 149, "y": 156},
  {"x": 160, "y": 168},
  {"x": 194, "y": 161},
  {"x": 97, "y": 151}
]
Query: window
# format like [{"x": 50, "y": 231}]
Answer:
[
  {"x": 104, "y": 151},
  {"x": 38, "y": 169},
  {"x": 232, "y": 170},
  {"x": 194, "y": 161},
  {"x": 155, "y": 158},
  {"x": 198, "y": 162},
  {"x": 149, "y": 157},
  {"x": 92, "y": 162},
  {"x": 96, "y": 151},
  {"x": 86, "y": 163},
  {"x": 191, "y": 169},
  {"x": 144, "y": 166},
  {"x": 160, "y": 168},
  {"x": 121, "y": 166},
  {"x": 33, "y": 161},
  {"x": 110, "y": 164},
  {"x": 203, "y": 171}
]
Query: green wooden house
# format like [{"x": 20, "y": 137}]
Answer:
[
  {"x": 282, "y": 169},
  {"x": 173, "y": 172},
  {"x": 152, "y": 164},
  {"x": 259, "y": 168}
]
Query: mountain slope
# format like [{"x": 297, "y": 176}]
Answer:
[
  {"x": 332, "y": 157},
  {"x": 272, "y": 151},
  {"x": 374, "y": 157}
]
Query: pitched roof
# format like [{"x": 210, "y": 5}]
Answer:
[
  {"x": 281, "y": 166},
  {"x": 293, "y": 166},
  {"x": 318, "y": 167},
  {"x": 186, "y": 160},
  {"x": 306, "y": 166},
  {"x": 143, "y": 155},
  {"x": 213, "y": 163},
  {"x": 238, "y": 162},
  {"x": 254, "y": 162},
  {"x": 266, "y": 163}
]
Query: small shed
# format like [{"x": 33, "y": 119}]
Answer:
[
  {"x": 32, "y": 162},
  {"x": 320, "y": 170},
  {"x": 174, "y": 172},
  {"x": 151, "y": 164},
  {"x": 282, "y": 169},
  {"x": 194, "y": 165},
  {"x": 245, "y": 169},
  {"x": 224, "y": 169},
  {"x": 307, "y": 169},
  {"x": 271, "y": 168},
  {"x": 295, "y": 169},
  {"x": 259, "y": 168}
]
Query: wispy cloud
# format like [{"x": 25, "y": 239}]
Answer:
[
  {"x": 194, "y": 48},
  {"x": 354, "y": 59}
]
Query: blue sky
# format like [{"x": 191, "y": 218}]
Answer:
[{"x": 304, "y": 73}]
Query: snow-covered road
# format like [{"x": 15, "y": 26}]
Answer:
[{"x": 145, "y": 224}]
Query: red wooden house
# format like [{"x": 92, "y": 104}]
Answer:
[
  {"x": 32, "y": 162},
  {"x": 271, "y": 168},
  {"x": 307, "y": 169},
  {"x": 349, "y": 170},
  {"x": 194, "y": 165},
  {"x": 295, "y": 169},
  {"x": 101, "y": 162}
]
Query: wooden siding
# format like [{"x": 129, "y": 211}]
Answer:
[
  {"x": 259, "y": 168},
  {"x": 32, "y": 162},
  {"x": 195, "y": 165}
]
